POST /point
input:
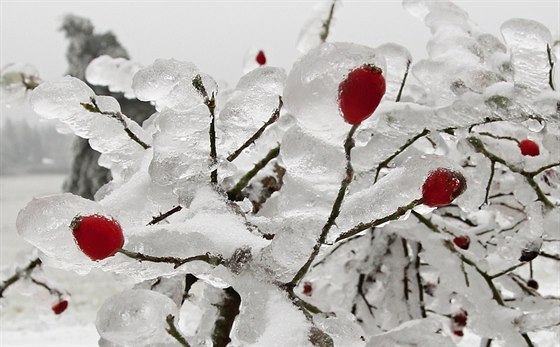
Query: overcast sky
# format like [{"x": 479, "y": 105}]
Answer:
[{"x": 216, "y": 35}]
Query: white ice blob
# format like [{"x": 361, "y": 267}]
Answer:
[
  {"x": 136, "y": 317},
  {"x": 312, "y": 87}
]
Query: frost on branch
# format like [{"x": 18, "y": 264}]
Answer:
[{"x": 121, "y": 141}]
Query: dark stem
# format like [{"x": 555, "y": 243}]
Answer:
[
  {"x": 551, "y": 63},
  {"x": 401, "y": 149},
  {"x": 419, "y": 280},
  {"x": 228, "y": 309},
  {"x": 335, "y": 211},
  {"x": 403, "y": 81},
  {"x": 393, "y": 216},
  {"x": 162, "y": 216},
  {"x": 405, "y": 270},
  {"x": 208, "y": 258},
  {"x": 93, "y": 107},
  {"x": 273, "y": 118},
  {"x": 19, "y": 274},
  {"x": 327, "y": 23},
  {"x": 52, "y": 291},
  {"x": 210, "y": 103},
  {"x": 190, "y": 279},
  {"x": 508, "y": 270},
  {"x": 307, "y": 308},
  {"x": 172, "y": 330},
  {"x": 362, "y": 294},
  {"x": 550, "y": 256},
  {"x": 234, "y": 193},
  {"x": 492, "y": 168}
]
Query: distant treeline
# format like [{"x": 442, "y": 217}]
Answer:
[{"x": 37, "y": 148}]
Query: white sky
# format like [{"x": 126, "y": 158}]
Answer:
[{"x": 216, "y": 35}]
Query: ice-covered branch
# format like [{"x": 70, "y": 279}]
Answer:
[
  {"x": 93, "y": 107},
  {"x": 401, "y": 211},
  {"x": 164, "y": 215},
  {"x": 208, "y": 258},
  {"x": 401, "y": 149},
  {"x": 210, "y": 103},
  {"x": 273, "y": 118},
  {"x": 172, "y": 330},
  {"x": 529, "y": 176},
  {"x": 19, "y": 274},
  {"x": 335, "y": 211},
  {"x": 398, "y": 99},
  {"x": 327, "y": 23},
  {"x": 496, "y": 295},
  {"x": 551, "y": 63},
  {"x": 234, "y": 193}
]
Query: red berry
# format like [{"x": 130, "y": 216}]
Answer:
[
  {"x": 529, "y": 147},
  {"x": 458, "y": 331},
  {"x": 97, "y": 236},
  {"x": 261, "y": 58},
  {"x": 307, "y": 288},
  {"x": 460, "y": 318},
  {"x": 533, "y": 284},
  {"x": 59, "y": 307},
  {"x": 360, "y": 93},
  {"x": 442, "y": 186},
  {"x": 462, "y": 242}
]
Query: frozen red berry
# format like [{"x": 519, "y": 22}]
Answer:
[
  {"x": 260, "y": 58},
  {"x": 529, "y": 147},
  {"x": 460, "y": 318},
  {"x": 458, "y": 332},
  {"x": 97, "y": 236},
  {"x": 307, "y": 288},
  {"x": 60, "y": 307},
  {"x": 442, "y": 186},
  {"x": 462, "y": 242},
  {"x": 533, "y": 284},
  {"x": 360, "y": 93}
]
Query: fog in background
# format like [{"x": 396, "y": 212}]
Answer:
[{"x": 215, "y": 35}]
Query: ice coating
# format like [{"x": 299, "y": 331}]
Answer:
[
  {"x": 423, "y": 332},
  {"x": 115, "y": 73},
  {"x": 398, "y": 60},
  {"x": 45, "y": 223},
  {"x": 381, "y": 199},
  {"x": 168, "y": 82},
  {"x": 136, "y": 317},
  {"x": 96, "y": 118},
  {"x": 313, "y": 32},
  {"x": 15, "y": 81},
  {"x": 311, "y": 92},
  {"x": 258, "y": 323},
  {"x": 527, "y": 41},
  {"x": 181, "y": 146},
  {"x": 255, "y": 100}
]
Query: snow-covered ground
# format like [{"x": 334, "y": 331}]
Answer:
[{"x": 26, "y": 318}]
